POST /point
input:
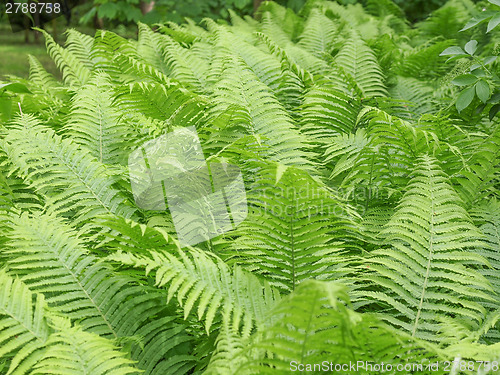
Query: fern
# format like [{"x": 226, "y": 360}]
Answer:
[
  {"x": 74, "y": 72},
  {"x": 42, "y": 342},
  {"x": 372, "y": 227},
  {"x": 202, "y": 280},
  {"x": 73, "y": 181},
  {"x": 87, "y": 291},
  {"x": 314, "y": 323},
  {"x": 432, "y": 241},
  {"x": 24, "y": 327},
  {"x": 359, "y": 61},
  {"x": 96, "y": 124},
  {"x": 276, "y": 242},
  {"x": 73, "y": 351}
]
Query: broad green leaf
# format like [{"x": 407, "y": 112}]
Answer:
[
  {"x": 471, "y": 47},
  {"x": 478, "y": 72},
  {"x": 5, "y": 108},
  {"x": 465, "y": 98},
  {"x": 477, "y": 20},
  {"x": 18, "y": 88},
  {"x": 495, "y": 98},
  {"x": 107, "y": 10},
  {"x": 452, "y": 51},
  {"x": 483, "y": 90},
  {"x": 489, "y": 60},
  {"x": 493, "y": 23},
  {"x": 495, "y": 2},
  {"x": 240, "y": 4},
  {"x": 464, "y": 80}
]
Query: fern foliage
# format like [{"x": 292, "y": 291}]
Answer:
[
  {"x": 431, "y": 262},
  {"x": 373, "y": 222}
]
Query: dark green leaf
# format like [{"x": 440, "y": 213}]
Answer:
[
  {"x": 495, "y": 98},
  {"x": 465, "y": 98},
  {"x": 494, "y": 110}
]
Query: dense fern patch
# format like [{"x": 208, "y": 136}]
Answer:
[{"x": 372, "y": 185}]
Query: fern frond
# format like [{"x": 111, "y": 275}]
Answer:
[
  {"x": 357, "y": 59},
  {"x": 418, "y": 96},
  {"x": 487, "y": 218},
  {"x": 80, "y": 46},
  {"x": 201, "y": 279},
  {"x": 288, "y": 236},
  {"x": 172, "y": 104},
  {"x": 384, "y": 164},
  {"x": 74, "y": 182},
  {"x": 242, "y": 89},
  {"x": 96, "y": 124},
  {"x": 326, "y": 113},
  {"x": 74, "y": 72},
  {"x": 479, "y": 174},
  {"x": 50, "y": 257},
  {"x": 319, "y": 34},
  {"x": 316, "y": 322},
  {"x": 107, "y": 45},
  {"x": 423, "y": 61},
  {"x": 429, "y": 270},
  {"x": 76, "y": 352},
  {"x": 149, "y": 48},
  {"x": 41, "y": 79},
  {"x": 230, "y": 344},
  {"x": 184, "y": 65},
  {"x": 24, "y": 329}
]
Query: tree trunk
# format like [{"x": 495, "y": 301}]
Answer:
[
  {"x": 36, "y": 18},
  {"x": 146, "y": 7},
  {"x": 98, "y": 22},
  {"x": 256, "y": 4}
]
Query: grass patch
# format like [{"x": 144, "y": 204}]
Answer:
[{"x": 14, "y": 55}]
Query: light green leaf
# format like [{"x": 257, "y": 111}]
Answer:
[
  {"x": 464, "y": 80},
  {"x": 452, "y": 51},
  {"x": 471, "y": 47},
  {"x": 465, "y": 98},
  {"x": 483, "y": 90},
  {"x": 489, "y": 60},
  {"x": 5, "y": 108},
  {"x": 495, "y": 2},
  {"x": 494, "y": 110},
  {"x": 107, "y": 10},
  {"x": 16, "y": 87},
  {"x": 493, "y": 23},
  {"x": 477, "y": 20}
]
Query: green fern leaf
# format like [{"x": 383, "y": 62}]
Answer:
[
  {"x": 433, "y": 242},
  {"x": 74, "y": 182},
  {"x": 357, "y": 59},
  {"x": 24, "y": 329}
]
